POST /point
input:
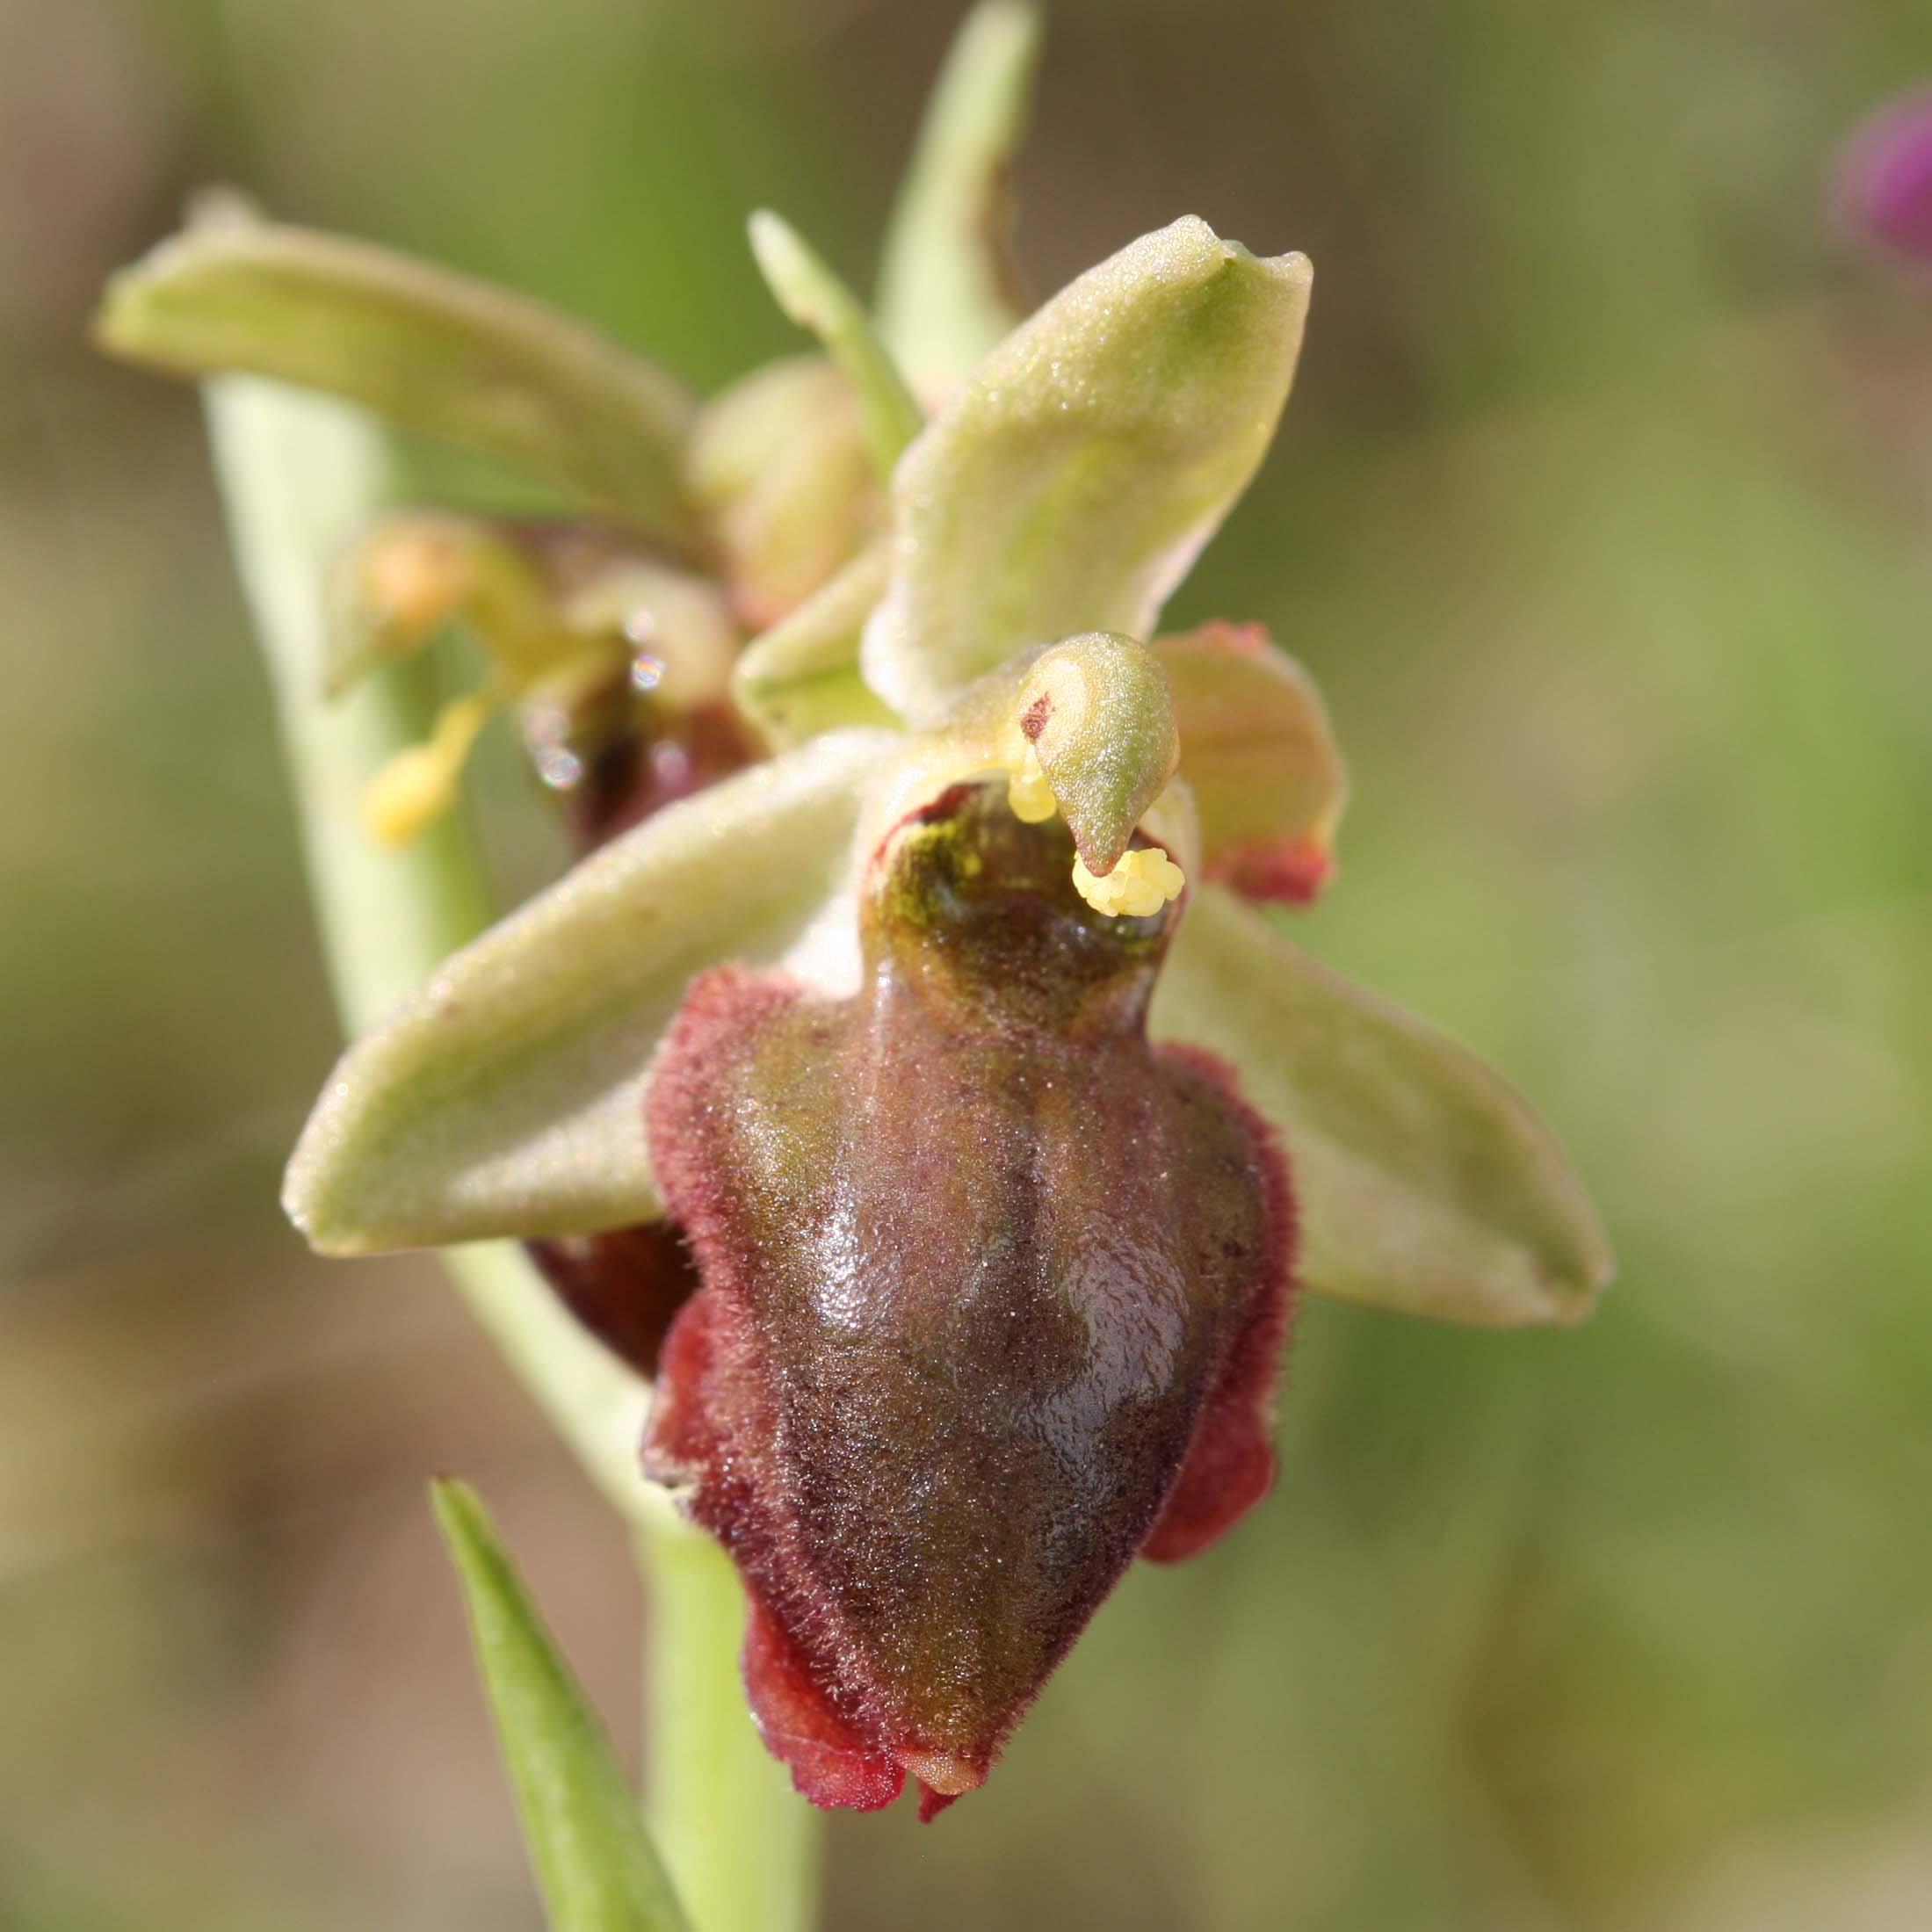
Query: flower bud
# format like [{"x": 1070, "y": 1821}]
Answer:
[{"x": 779, "y": 469}]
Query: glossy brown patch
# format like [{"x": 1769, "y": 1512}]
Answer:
[{"x": 993, "y": 1292}]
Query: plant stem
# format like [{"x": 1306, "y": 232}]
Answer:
[
  {"x": 300, "y": 476},
  {"x": 742, "y": 1847}
]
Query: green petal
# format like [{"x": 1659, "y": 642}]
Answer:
[
  {"x": 431, "y": 349},
  {"x": 814, "y": 298},
  {"x": 506, "y": 1096},
  {"x": 1070, "y": 484},
  {"x": 942, "y": 298},
  {"x": 1424, "y": 1182},
  {"x": 594, "y": 1861},
  {"x": 1259, "y": 754},
  {"x": 800, "y": 678}
]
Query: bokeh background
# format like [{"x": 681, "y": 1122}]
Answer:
[{"x": 1603, "y": 513}]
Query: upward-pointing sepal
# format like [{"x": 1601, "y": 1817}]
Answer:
[{"x": 1068, "y": 486}]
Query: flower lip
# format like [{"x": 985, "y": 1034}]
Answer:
[
  {"x": 970, "y": 904},
  {"x": 992, "y": 1299}
]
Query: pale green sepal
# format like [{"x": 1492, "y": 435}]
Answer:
[
  {"x": 1423, "y": 1181},
  {"x": 1070, "y": 484},
  {"x": 594, "y": 1861},
  {"x": 800, "y": 678},
  {"x": 427, "y": 347},
  {"x": 804, "y": 286},
  {"x": 505, "y": 1097},
  {"x": 944, "y": 303}
]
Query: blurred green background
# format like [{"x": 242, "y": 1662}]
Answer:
[{"x": 1603, "y": 513}]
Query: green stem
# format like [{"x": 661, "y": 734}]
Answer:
[
  {"x": 300, "y": 475},
  {"x": 742, "y": 1847}
]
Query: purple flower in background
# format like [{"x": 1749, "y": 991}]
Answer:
[{"x": 1885, "y": 180}]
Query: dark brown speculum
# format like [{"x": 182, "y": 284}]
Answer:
[{"x": 993, "y": 1296}]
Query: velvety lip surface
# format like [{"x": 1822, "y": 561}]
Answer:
[{"x": 992, "y": 1300}]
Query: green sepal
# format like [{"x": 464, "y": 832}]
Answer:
[
  {"x": 1070, "y": 484},
  {"x": 1424, "y": 1182},
  {"x": 431, "y": 349},
  {"x": 594, "y": 1861},
  {"x": 505, "y": 1097},
  {"x": 944, "y": 297}
]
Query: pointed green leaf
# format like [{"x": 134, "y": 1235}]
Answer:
[
  {"x": 432, "y": 350},
  {"x": 800, "y": 678},
  {"x": 805, "y": 287},
  {"x": 506, "y": 1096},
  {"x": 944, "y": 303},
  {"x": 1070, "y": 484},
  {"x": 594, "y": 1861},
  {"x": 1423, "y": 1181}
]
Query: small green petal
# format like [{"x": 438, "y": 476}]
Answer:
[
  {"x": 594, "y": 1860},
  {"x": 814, "y": 298},
  {"x": 506, "y": 1096},
  {"x": 433, "y": 350},
  {"x": 1070, "y": 484},
  {"x": 944, "y": 303},
  {"x": 1424, "y": 1182},
  {"x": 1260, "y": 756},
  {"x": 800, "y": 678}
]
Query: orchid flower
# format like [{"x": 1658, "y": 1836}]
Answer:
[{"x": 948, "y": 1028}]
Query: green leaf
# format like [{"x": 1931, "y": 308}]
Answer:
[
  {"x": 433, "y": 350},
  {"x": 944, "y": 303},
  {"x": 1424, "y": 1182},
  {"x": 805, "y": 287},
  {"x": 505, "y": 1097},
  {"x": 1070, "y": 484},
  {"x": 595, "y": 1862},
  {"x": 800, "y": 678}
]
